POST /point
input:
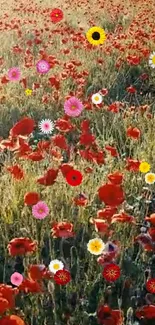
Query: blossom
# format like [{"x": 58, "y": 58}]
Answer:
[
  {"x": 23, "y": 127},
  {"x": 55, "y": 266},
  {"x": 46, "y": 126},
  {"x": 28, "y": 92},
  {"x": 11, "y": 320},
  {"x": 31, "y": 198},
  {"x": 62, "y": 277},
  {"x": 133, "y": 132},
  {"x": 150, "y": 178},
  {"x": 21, "y": 246},
  {"x": 74, "y": 177},
  {"x": 111, "y": 272},
  {"x": 73, "y": 107},
  {"x": 14, "y": 74},
  {"x": 62, "y": 229},
  {"x": 43, "y": 66},
  {"x": 95, "y": 246},
  {"x": 107, "y": 316},
  {"x": 152, "y": 60},
  {"x": 7, "y": 297},
  {"x": 97, "y": 98},
  {"x": 40, "y": 210},
  {"x": 49, "y": 177},
  {"x": 111, "y": 194},
  {"x": 150, "y": 285},
  {"x": 16, "y": 171},
  {"x": 56, "y": 15},
  {"x": 16, "y": 278},
  {"x": 144, "y": 167},
  {"x": 38, "y": 272}
]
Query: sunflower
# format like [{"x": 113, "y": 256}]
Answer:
[{"x": 96, "y": 35}]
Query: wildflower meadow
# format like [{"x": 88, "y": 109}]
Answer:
[{"x": 77, "y": 162}]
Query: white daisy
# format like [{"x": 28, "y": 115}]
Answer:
[
  {"x": 55, "y": 266},
  {"x": 152, "y": 60},
  {"x": 97, "y": 98},
  {"x": 46, "y": 126}
]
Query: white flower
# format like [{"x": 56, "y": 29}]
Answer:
[
  {"x": 97, "y": 98},
  {"x": 55, "y": 266},
  {"x": 46, "y": 126},
  {"x": 152, "y": 60}
]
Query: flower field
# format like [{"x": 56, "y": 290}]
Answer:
[{"x": 77, "y": 167}]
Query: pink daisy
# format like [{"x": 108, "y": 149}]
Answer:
[
  {"x": 14, "y": 74},
  {"x": 16, "y": 279},
  {"x": 43, "y": 66},
  {"x": 73, "y": 107},
  {"x": 46, "y": 126},
  {"x": 40, "y": 210}
]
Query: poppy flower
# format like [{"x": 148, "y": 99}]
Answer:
[
  {"x": 86, "y": 139},
  {"x": 122, "y": 217},
  {"x": 132, "y": 165},
  {"x": 59, "y": 141},
  {"x": 64, "y": 125},
  {"x": 31, "y": 286},
  {"x": 65, "y": 169},
  {"x": 23, "y": 127},
  {"x": 115, "y": 178},
  {"x": 62, "y": 277},
  {"x": 112, "y": 151},
  {"x": 111, "y": 272},
  {"x": 62, "y": 229},
  {"x": 111, "y": 194},
  {"x": 150, "y": 285},
  {"x": 49, "y": 178},
  {"x": 35, "y": 156},
  {"x": 107, "y": 316},
  {"x": 21, "y": 246},
  {"x": 56, "y": 15},
  {"x": 31, "y": 198},
  {"x": 133, "y": 132},
  {"x": 80, "y": 200},
  {"x": 16, "y": 171},
  {"x": 11, "y": 320},
  {"x": 74, "y": 177},
  {"x": 7, "y": 293},
  {"x": 147, "y": 312},
  {"x": 106, "y": 213},
  {"x": 38, "y": 272},
  {"x": 4, "y": 305},
  {"x": 101, "y": 226}
]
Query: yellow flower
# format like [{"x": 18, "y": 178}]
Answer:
[
  {"x": 96, "y": 35},
  {"x": 150, "y": 178},
  {"x": 28, "y": 92},
  {"x": 144, "y": 167},
  {"x": 95, "y": 246}
]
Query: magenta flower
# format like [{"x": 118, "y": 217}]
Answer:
[
  {"x": 73, "y": 107},
  {"x": 40, "y": 210},
  {"x": 43, "y": 66},
  {"x": 14, "y": 74},
  {"x": 16, "y": 279}
]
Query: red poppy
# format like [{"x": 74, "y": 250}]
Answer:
[
  {"x": 111, "y": 272},
  {"x": 150, "y": 285},
  {"x": 101, "y": 226},
  {"x": 16, "y": 171},
  {"x": 31, "y": 286},
  {"x": 112, "y": 150},
  {"x": 147, "y": 312},
  {"x": 116, "y": 178},
  {"x": 107, "y": 316},
  {"x": 123, "y": 217},
  {"x": 62, "y": 277},
  {"x": 106, "y": 213},
  {"x": 131, "y": 90},
  {"x": 11, "y": 320},
  {"x": 62, "y": 229},
  {"x": 49, "y": 178},
  {"x": 31, "y": 198},
  {"x": 65, "y": 169},
  {"x": 80, "y": 200},
  {"x": 35, "y": 156},
  {"x": 133, "y": 132},
  {"x": 111, "y": 194},
  {"x": 38, "y": 272},
  {"x": 86, "y": 139},
  {"x": 21, "y": 246},
  {"x": 64, "y": 125},
  {"x": 132, "y": 165},
  {"x": 59, "y": 141},
  {"x": 23, "y": 127},
  {"x": 7, "y": 297},
  {"x": 74, "y": 177},
  {"x": 56, "y": 15}
]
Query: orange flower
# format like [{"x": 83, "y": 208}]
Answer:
[{"x": 11, "y": 320}]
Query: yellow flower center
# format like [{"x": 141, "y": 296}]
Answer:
[
  {"x": 56, "y": 266},
  {"x": 41, "y": 211},
  {"x": 56, "y": 15},
  {"x": 150, "y": 178},
  {"x": 153, "y": 59},
  {"x": 73, "y": 107},
  {"x": 96, "y": 98}
]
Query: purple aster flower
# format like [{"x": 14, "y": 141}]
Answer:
[
  {"x": 73, "y": 107},
  {"x": 14, "y": 74},
  {"x": 40, "y": 210},
  {"x": 43, "y": 66}
]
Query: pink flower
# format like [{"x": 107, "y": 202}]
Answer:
[
  {"x": 16, "y": 279},
  {"x": 14, "y": 74},
  {"x": 43, "y": 66},
  {"x": 40, "y": 210},
  {"x": 73, "y": 107}
]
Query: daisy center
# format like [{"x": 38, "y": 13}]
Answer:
[
  {"x": 153, "y": 59},
  {"x": 96, "y": 36},
  {"x": 56, "y": 266},
  {"x": 96, "y": 98},
  {"x": 14, "y": 74},
  {"x": 40, "y": 210},
  {"x": 46, "y": 125}
]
